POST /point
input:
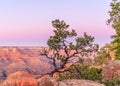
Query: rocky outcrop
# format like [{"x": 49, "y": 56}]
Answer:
[
  {"x": 20, "y": 79},
  {"x": 47, "y": 81},
  {"x": 75, "y": 82},
  {"x": 111, "y": 70},
  {"x": 53, "y": 82},
  {"x": 26, "y": 79}
]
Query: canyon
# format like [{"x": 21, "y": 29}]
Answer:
[
  {"x": 24, "y": 66},
  {"x": 24, "y": 59}
]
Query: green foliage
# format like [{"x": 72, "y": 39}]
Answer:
[
  {"x": 103, "y": 57},
  {"x": 68, "y": 76},
  {"x": 61, "y": 41},
  {"x": 83, "y": 72},
  {"x": 117, "y": 58},
  {"x": 114, "y": 82},
  {"x": 92, "y": 74},
  {"x": 104, "y": 54},
  {"x": 115, "y": 21},
  {"x": 88, "y": 73},
  {"x": 61, "y": 34}
]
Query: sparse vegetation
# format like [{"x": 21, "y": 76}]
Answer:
[
  {"x": 114, "y": 82},
  {"x": 85, "y": 72}
]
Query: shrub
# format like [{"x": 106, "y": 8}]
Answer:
[
  {"x": 92, "y": 74},
  {"x": 117, "y": 58},
  {"x": 83, "y": 72},
  {"x": 114, "y": 82}
]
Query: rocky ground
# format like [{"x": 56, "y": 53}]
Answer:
[
  {"x": 71, "y": 82},
  {"x": 26, "y": 79}
]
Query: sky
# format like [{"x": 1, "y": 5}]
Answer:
[{"x": 28, "y": 22}]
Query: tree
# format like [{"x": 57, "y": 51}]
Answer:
[
  {"x": 114, "y": 20},
  {"x": 61, "y": 50}
]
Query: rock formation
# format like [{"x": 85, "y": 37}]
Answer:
[
  {"x": 27, "y": 59},
  {"x": 111, "y": 70},
  {"x": 20, "y": 79}
]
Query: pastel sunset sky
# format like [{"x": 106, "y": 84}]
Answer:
[{"x": 28, "y": 22}]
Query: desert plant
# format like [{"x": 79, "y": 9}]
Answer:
[
  {"x": 92, "y": 74},
  {"x": 83, "y": 72},
  {"x": 114, "y": 82},
  {"x": 61, "y": 50}
]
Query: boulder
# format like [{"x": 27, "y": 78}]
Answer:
[
  {"x": 20, "y": 79},
  {"x": 47, "y": 81},
  {"x": 111, "y": 70}
]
